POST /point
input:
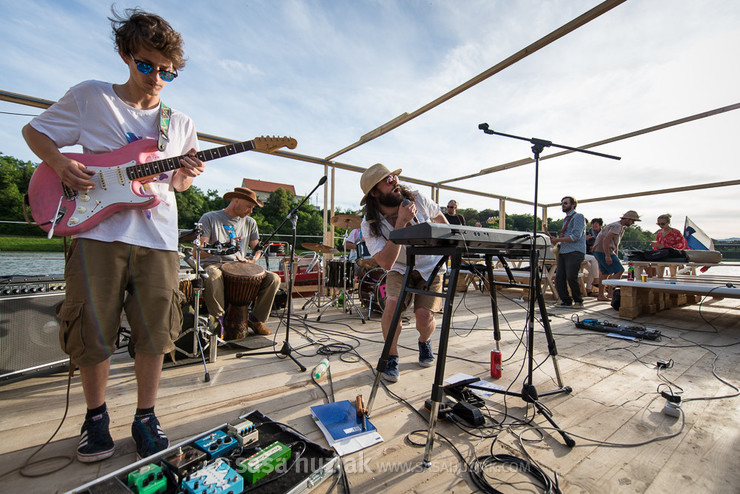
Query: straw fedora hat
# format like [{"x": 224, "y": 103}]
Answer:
[
  {"x": 243, "y": 193},
  {"x": 372, "y": 176},
  {"x": 631, "y": 215}
]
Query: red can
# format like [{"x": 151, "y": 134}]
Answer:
[{"x": 496, "y": 364}]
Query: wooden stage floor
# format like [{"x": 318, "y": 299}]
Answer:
[{"x": 615, "y": 400}]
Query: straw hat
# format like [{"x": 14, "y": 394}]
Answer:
[
  {"x": 631, "y": 215},
  {"x": 243, "y": 193},
  {"x": 372, "y": 177}
]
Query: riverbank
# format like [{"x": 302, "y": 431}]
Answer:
[{"x": 31, "y": 244}]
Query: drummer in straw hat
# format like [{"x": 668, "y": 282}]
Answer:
[{"x": 233, "y": 225}]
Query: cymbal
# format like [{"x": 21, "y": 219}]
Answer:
[
  {"x": 324, "y": 249},
  {"x": 346, "y": 221}
]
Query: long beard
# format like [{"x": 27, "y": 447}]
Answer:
[{"x": 390, "y": 200}]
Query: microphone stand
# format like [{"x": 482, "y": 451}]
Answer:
[
  {"x": 529, "y": 392},
  {"x": 286, "y": 349}
]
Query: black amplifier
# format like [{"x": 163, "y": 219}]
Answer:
[{"x": 29, "y": 329}]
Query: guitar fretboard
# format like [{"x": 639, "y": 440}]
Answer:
[{"x": 144, "y": 170}]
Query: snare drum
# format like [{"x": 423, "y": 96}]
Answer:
[
  {"x": 241, "y": 284},
  {"x": 336, "y": 277}
]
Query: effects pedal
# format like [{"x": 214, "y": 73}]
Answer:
[
  {"x": 184, "y": 460},
  {"x": 148, "y": 479},
  {"x": 216, "y": 444},
  {"x": 215, "y": 478},
  {"x": 469, "y": 413},
  {"x": 634, "y": 331},
  {"x": 244, "y": 431},
  {"x": 445, "y": 409},
  {"x": 263, "y": 463}
]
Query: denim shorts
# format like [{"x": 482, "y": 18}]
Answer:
[{"x": 615, "y": 267}]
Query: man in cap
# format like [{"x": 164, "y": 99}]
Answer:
[
  {"x": 233, "y": 225},
  {"x": 606, "y": 248},
  {"x": 387, "y": 210}
]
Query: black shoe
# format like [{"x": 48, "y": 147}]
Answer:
[
  {"x": 564, "y": 304},
  {"x": 95, "y": 441},
  {"x": 148, "y": 436}
]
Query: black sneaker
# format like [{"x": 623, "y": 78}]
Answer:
[
  {"x": 391, "y": 373},
  {"x": 95, "y": 441},
  {"x": 426, "y": 356},
  {"x": 148, "y": 436}
]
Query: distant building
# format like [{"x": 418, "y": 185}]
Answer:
[{"x": 263, "y": 189}]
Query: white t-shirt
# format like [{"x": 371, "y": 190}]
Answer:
[
  {"x": 92, "y": 115},
  {"x": 425, "y": 211}
]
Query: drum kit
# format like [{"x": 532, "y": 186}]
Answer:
[{"x": 346, "y": 277}]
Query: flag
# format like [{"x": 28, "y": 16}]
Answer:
[{"x": 695, "y": 237}]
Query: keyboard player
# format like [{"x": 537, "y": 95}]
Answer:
[{"x": 390, "y": 206}]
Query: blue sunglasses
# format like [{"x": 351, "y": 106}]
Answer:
[{"x": 146, "y": 68}]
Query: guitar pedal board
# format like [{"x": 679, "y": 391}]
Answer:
[{"x": 252, "y": 453}]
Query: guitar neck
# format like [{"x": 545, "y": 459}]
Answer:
[{"x": 153, "y": 168}]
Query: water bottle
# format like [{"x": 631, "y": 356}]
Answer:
[
  {"x": 320, "y": 369},
  {"x": 631, "y": 273}
]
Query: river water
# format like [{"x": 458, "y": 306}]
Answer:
[{"x": 31, "y": 263}]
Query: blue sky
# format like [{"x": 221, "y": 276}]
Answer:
[{"x": 327, "y": 72}]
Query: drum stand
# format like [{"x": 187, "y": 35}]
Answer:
[
  {"x": 316, "y": 297},
  {"x": 343, "y": 294},
  {"x": 200, "y": 327}
]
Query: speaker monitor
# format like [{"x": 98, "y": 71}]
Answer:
[{"x": 29, "y": 328}]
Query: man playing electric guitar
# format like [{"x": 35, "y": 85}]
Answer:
[
  {"x": 572, "y": 242},
  {"x": 128, "y": 260}
]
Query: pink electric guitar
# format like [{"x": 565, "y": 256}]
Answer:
[{"x": 62, "y": 211}]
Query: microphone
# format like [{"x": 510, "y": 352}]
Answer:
[
  {"x": 405, "y": 203},
  {"x": 484, "y": 128},
  {"x": 323, "y": 180}
]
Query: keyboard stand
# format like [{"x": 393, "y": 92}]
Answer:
[{"x": 455, "y": 254}]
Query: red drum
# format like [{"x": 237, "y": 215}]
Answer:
[
  {"x": 372, "y": 289},
  {"x": 336, "y": 277},
  {"x": 242, "y": 281}
]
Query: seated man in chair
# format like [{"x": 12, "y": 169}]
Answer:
[{"x": 233, "y": 225}]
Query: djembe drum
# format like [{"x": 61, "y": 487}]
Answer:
[{"x": 241, "y": 284}]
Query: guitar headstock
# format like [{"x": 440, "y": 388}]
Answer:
[{"x": 270, "y": 144}]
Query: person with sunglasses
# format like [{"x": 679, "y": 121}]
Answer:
[
  {"x": 129, "y": 260},
  {"x": 452, "y": 217},
  {"x": 390, "y": 206},
  {"x": 667, "y": 236}
]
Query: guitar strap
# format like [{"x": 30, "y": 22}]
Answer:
[
  {"x": 164, "y": 126},
  {"x": 565, "y": 226}
]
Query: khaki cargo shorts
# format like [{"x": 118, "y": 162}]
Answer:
[{"x": 106, "y": 278}]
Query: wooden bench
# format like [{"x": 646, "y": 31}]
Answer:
[{"x": 637, "y": 297}]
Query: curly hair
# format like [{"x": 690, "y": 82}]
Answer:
[
  {"x": 372, "y": 212},
  {"x": 142, "y": 29}
]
